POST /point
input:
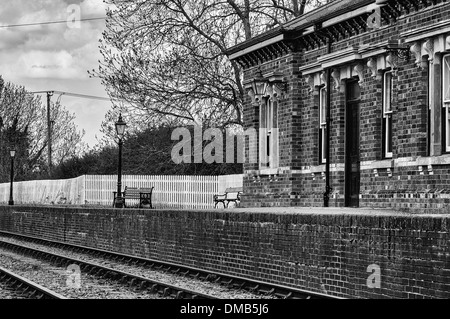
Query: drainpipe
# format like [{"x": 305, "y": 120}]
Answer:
[{"x": 328, "y": 189}]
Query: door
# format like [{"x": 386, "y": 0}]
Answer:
[{"x": 352, "y": 143}]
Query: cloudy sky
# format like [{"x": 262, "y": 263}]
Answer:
[{"x": 56, "y": 56}]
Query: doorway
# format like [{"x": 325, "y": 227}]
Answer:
[{"x": 352, "y": 145}]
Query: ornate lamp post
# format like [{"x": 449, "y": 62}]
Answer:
[
  {"x": 12, "y": 153},
  {"x": 120, "y": 130}
]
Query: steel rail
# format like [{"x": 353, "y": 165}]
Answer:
[
  {"x": 139, "y": 282},
  {"x": 230, "y": 281},
  {"x": 27, "y": 287}
]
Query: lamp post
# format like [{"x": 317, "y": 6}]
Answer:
[
  {"x": 11, "y": 200},
  {"x": 120, "y": 130}
]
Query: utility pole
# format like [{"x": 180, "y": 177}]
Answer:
[
  {"x": 50, "y": 123},
  {"x": 49, "y": 133}
]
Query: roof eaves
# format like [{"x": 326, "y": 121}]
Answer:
[
  {"x": 253, "y": 41},
  {"x": 323, "y": 13},
  {"x": 326, "y": 12}
]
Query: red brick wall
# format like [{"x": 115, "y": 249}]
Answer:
[{"x": 314, "y": 251}]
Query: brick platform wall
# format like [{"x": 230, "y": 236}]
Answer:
[{"x": 315, "y": 251}]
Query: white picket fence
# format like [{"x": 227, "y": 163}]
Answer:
[
  {"x": 179, "y": 192},
  {"x": 70, "y": 191}
]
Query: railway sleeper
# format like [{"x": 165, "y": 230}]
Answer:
[
  {"x": 227, "y": 283},
  {"x": 59, "y": 262},
  {"x": 100, "y": 272},
  {"x": 40, "y": 296},
  {"x": 166, "y": 292},
  {"x": 135, "y": 262},
  {"x": 176, "y": 271},
  {"x": 267, "y": 292},
  {"x": 196, "y": 275},
  {"x": 253, "y": 289},
  {"x": 111, "y": 275},
  {"x": 133, "y": 282},
  {"x": 211, "y": 277},
  {"x": 92, "y": 270},
  {"x": 142, "y": 285},
  {"x": 176, "y": 294},
  {"x": 238, "y": 285},
  {"x": 283, "y": 296},
  {"x": 85, "y": 268},
  {"x": 153, "y": 289},
  {"x": 180, "y": 295}
]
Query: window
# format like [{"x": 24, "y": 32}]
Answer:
[
  {"x": 269, "y": 134},
  {"x": 387, "y": 115},
  {"x": 323, "y": 126},
  {"x": 446, "y": 100},
  {"x": 429, "y": 123}
]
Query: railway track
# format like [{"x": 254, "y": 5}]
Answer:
[
  {"x": 232, "y": 282},
  {"x": 132, "y": 280},
  {"x": 21, "y": 287}
]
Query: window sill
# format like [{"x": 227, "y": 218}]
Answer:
[
  {"x": 269, "y": 171},
  {"x": 434, "y": 160},
  {"x": 318, "y": 169},
  {"x": 386, "y": 163}
]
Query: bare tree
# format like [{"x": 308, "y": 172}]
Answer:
[
  {"x": 167, "y": 58},
  {"x": 23, "y": 125}
]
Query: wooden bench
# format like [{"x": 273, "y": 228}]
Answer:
[
  {"x": 232, "y": 194},
  {"x": 144, "y": 195}
]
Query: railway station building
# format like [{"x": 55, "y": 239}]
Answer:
[{"x": 352, "y": 102}]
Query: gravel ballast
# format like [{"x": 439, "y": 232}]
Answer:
[{"x": 199, "y": 286}]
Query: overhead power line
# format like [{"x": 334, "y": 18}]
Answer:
[
  {"x": 84, "y": 96},
  {"x": 45, "y": 23}
]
